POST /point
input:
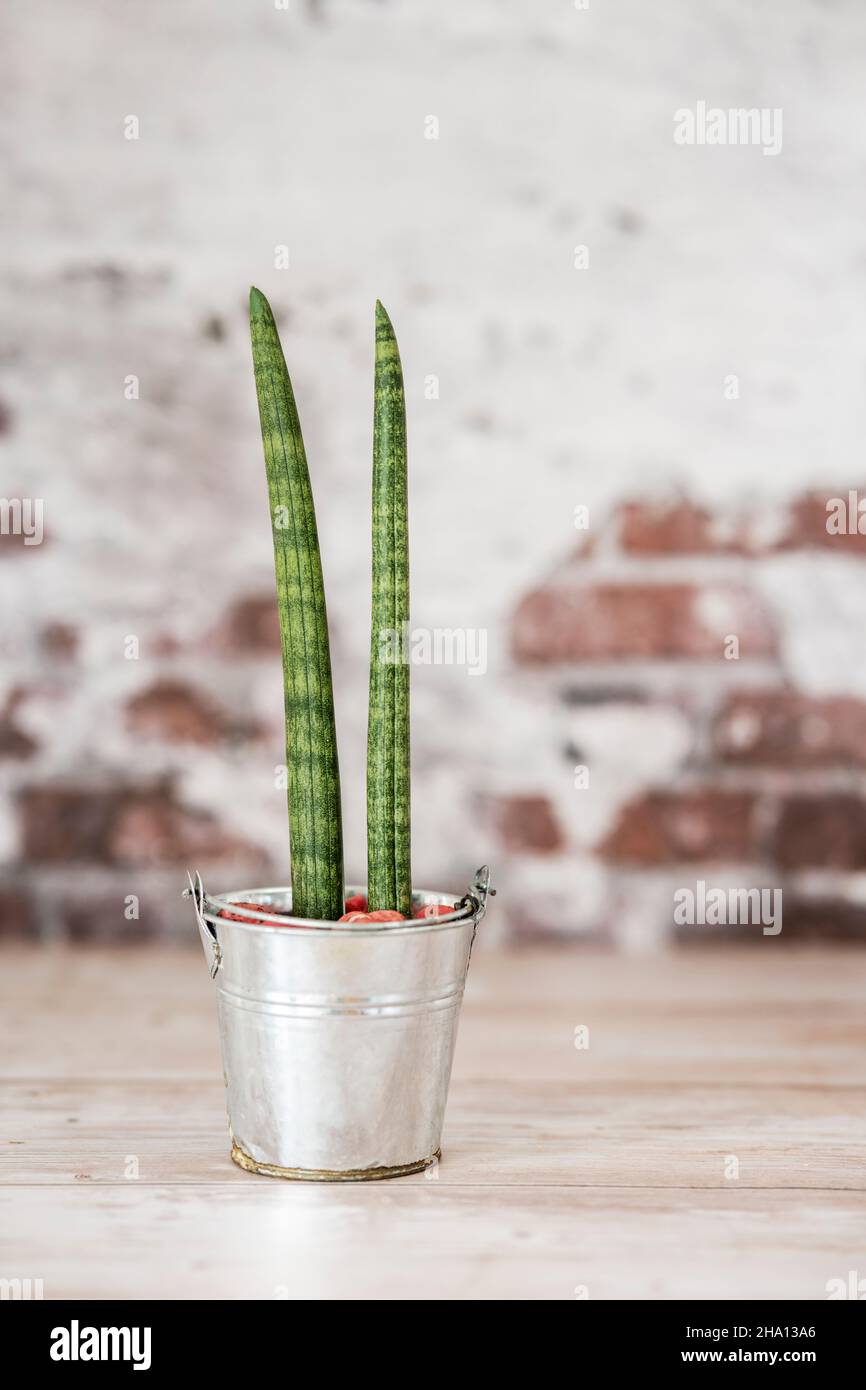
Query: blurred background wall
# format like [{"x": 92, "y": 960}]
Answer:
[{"x": 634, "y": 375}]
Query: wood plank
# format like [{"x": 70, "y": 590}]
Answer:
[
  {"x": 733, "y": 1016},
  {"x": 267, "y": 1239},
  {"x": 510, "y": 1133},
  {"x": 601, "y": 1167}
]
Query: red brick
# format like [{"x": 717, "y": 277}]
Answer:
[
  {"x": 99, "y": 917},
  {"x": 249, "y": 627},
  {"x": 14, "y": 741},
  {"x": 823, "y": 919},
  {"x": 59, "y": 640},
  {"x": 675, "y": 528},
  {"x": 683, "y": 527},
  {"x": 615, "y": 622},
  {"x": 783, "y": 729},
  {"x": 527, "y": 824},
  {"x": 152, "y": 829},
  {"x": 803, "y": 919},
  {"x": 822, "y": 830},
  {"x": 806, "y": 526},
  {"x": 122, "y": 825},
  {"x": 175, "y": 711},
  {"x": 17, "y": 913},
  {"x": 62, "y": 825},
  {"x": 667, "y": 827}
]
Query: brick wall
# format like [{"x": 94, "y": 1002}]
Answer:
[
  {"x": 536, "y": 382},
  {"x": 680, "y": 740}
]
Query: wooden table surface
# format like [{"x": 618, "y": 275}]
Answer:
[{"x": 709, "y": 1142}]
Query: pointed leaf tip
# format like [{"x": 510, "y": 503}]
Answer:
[{"x": 259, "y": 306}]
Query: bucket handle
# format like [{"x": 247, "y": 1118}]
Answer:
[
  {"x": 479, "y": 892},
  {"x": 476, "y": 901},
  {"x": 210, "y": 944}
]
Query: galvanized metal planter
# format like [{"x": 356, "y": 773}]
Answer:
[{"x": 337, "y": 1038}]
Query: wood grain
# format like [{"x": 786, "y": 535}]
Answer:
[{"x": 601, "y": 1168}]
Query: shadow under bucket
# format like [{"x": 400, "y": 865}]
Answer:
[{"x": 337, "y": 1038}]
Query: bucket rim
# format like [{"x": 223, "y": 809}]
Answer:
[{"x": 466, "y": 911}]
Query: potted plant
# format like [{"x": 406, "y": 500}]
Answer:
[{"x": 338, "y": 1008}]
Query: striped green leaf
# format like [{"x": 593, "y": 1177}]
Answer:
[
  {"x": 315, "y": 825},
  {"x": 389, "y": 876}
]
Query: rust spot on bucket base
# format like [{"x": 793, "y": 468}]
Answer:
[{"x": 271, "y": 1170}]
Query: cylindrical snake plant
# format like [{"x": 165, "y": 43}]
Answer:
[
  {"x": 389, "y": 878},
  {"x": 315, "y": 824}
]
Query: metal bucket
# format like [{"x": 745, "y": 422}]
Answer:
[{"x": 337, "y": 1038}]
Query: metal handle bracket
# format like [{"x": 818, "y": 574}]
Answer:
[
  {"x": 479, "y": 892},
  {"x": 212, "y": 953}
]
